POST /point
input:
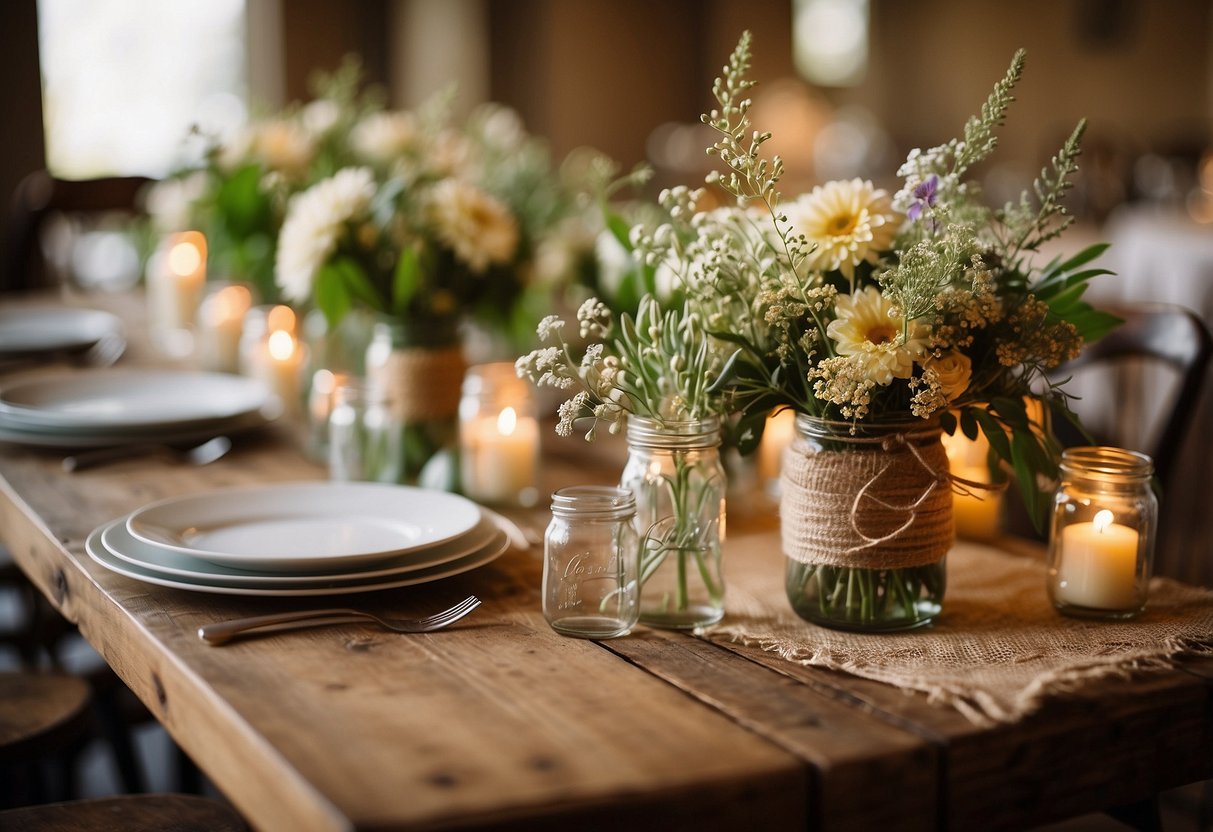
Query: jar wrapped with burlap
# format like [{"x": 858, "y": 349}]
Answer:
[{"x": 866, "y": 523}]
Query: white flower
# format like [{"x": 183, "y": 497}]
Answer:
[
  {"x": 549, "y": 326},
  {"x": 170, "y": 202},
  {"x": 478, "y": 228},
  {"x": 849, "y": 222},
  {"x": 313, "y": 224},
  {"x": 381, "y": 137},
  {"x": 866, "y": 326},
  {"x": 953, "y": 371},
  {"x": 500, "y": 127},
  {"x": 320, "y": 116}
]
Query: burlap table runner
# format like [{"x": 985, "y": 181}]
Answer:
[{"x": 999, "y": 649}]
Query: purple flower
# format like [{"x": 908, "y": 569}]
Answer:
[{"x": 924, "y": 196}]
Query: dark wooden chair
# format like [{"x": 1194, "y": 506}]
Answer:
[
  {"x": 1151, "y": 335},
  {"x": 40, "y": 196}
]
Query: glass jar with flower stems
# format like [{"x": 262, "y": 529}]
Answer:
[
  {"x": 653, "y": 373},
  {"x": 881, "y": 320}
]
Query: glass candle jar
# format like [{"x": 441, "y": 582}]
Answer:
[
  {"x": 498, "y": 436},
  {"x": 1101, "y": 542},
  {"x": 591, "y": 563}
]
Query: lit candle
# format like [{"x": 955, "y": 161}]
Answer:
[
  {"x": 776, "y": 437},
  {"x": 976, "y": 514},
  {"x": 176, "y": 277},
  {"x": 279, "y": 364},
  {"x": 220, "y": 326},
  {"x": 1097, "y": 567},
  {"x": 499, "y": 456}
]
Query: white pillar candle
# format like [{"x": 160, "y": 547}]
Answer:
[
  {"x": 1098, "y": 564},
  {"x": 175, "y": 281},
  {"x": 279, "y": 363},
  {"x": 499, "y": 455},
  {"x": 220, "y": 326}
]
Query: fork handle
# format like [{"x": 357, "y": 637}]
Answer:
[{"x": 224, "y": 631}]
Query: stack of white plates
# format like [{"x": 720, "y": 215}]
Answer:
[
  {"x": 316, "y": 538},
  {"x": 33, "y": 331},
  {"x": 97, "y": 408}
]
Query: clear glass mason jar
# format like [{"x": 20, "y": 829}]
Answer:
[
  {"x": 363, "y": 435},
  {"x": 1101, "y": 541},
  {"x": 498, "y": 436},
  {"x": 866, "y": 521},
  {"x": 418, "y": 368},
  {"x": 673, "y": 470},
  {"x": 591, "y": 562}
]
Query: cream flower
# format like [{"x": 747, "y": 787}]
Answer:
[
  {"x": 953, "y": 371},
  {"x": 848, "y": 222},
  {"x": 314, "y": 222},
  {"x": 867, "y": 326},
  {"x": 284, "y": 146},
  {"x": 381, "y": 137},
  {"x": 478, "y": 228}
]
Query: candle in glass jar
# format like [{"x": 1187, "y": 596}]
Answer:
[
  {"x": 499, "y": 456},
  {"x": 1098, "y": 564},
  {"x": 976, "y": 514},
  {"x": 220, "y": 326},
  {"x": 776, "y": 437},
  {"x": 175, "y": 281}
]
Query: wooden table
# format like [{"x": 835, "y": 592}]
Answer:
[{"x": 499, "y": 723}]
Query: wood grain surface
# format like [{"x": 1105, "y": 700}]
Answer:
[{"x": 498, "y": 723}]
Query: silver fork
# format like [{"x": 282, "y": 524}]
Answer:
[{"x": 224, "y": 631}]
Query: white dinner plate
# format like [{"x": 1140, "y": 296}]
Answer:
[
  {"x": 106, "y": 439},
  {"x": 97, "y": 551},
  {"x": 108, "y": 400},
  {"x": 118, "y": 541},
  {"x": 304, "y": 527},
  {"x": 53, "y": 329}
]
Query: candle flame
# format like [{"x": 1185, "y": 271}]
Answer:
[
  {"x": 185, "y": 258},
  {"x": 507, "y": 421},
  {"x": 281, "y": 345},
  {"x": 1103, "y": 519}
]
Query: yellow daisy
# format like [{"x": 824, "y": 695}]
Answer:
[
  {"x": 848, "y": 222},
  {"x": 867, "y": 327}
]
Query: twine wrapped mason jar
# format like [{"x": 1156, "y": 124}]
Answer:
[
  {"x": 866, "y": 523},
  {"x": 417, "y": 370}
]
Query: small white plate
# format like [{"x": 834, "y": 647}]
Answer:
[
  {"x": 53, "y": 329},
  {"x": 118, "y": 541},
  {"x": 117, "y": 399},
  {"x": 304, "y": 527},
  {"x": 97, "y": 551}
]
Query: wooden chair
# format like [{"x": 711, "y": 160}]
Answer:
[
  {"x": 130, "y": 813},
  {"x": 1151, "y": 334},
  {"x": 40, "y": 196}
]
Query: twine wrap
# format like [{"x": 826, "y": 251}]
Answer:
[
  {"x": 887, "y": 504},
  {"x": 421, "y": 384}
]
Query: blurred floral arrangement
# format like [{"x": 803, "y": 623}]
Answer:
[
  {"x": 342, "y": 203},
  {"x": 855, "y": 305}
]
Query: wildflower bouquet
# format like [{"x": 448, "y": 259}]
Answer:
[
  {"x": 238, "y": 192},
  {"x": 874, "y": 315}
]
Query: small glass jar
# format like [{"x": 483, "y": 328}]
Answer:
[
  {"x": 591, "y": 563},
  {"x": 673, "y": 470},
  {"x": 363, "y": 435},
  {"x": 498, "y": 436},
  {"x": 1101, "y": 542}
]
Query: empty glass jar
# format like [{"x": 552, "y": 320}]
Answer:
[{"x": 591, "y": 562}]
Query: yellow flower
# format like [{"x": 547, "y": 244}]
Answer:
[
  {"x": 952, "y": 370},
  {"x": 848, "y": 222},
  {"x": 866, "y": 326}
]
